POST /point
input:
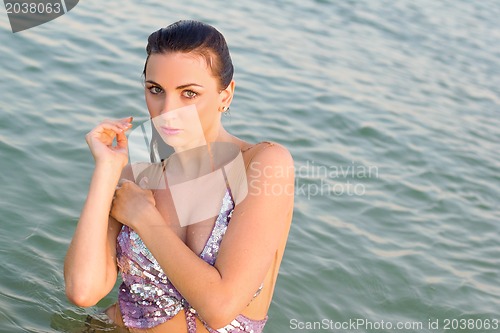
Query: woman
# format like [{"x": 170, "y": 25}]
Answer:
[{"x": 217, "y": 275}]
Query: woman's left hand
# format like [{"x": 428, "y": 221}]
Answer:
[{"x": 131, "y": 202}]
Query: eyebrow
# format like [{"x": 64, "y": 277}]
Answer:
[{"x": 179, "y": 87}]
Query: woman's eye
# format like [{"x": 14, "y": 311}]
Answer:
[
  {"x": 155, "y": 90},
  {"x": 189, "y": 94}
]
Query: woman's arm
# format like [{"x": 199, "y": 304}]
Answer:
[
  {"x": 220, "y": 292},
  {"x": 90, "y": 266}
]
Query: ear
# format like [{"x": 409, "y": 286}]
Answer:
[{"x": 227, "y": 94}]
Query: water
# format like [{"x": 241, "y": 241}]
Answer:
[{"x": 390, "y": 110}]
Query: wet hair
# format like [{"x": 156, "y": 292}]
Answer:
[{"x": 194, "y": 37}]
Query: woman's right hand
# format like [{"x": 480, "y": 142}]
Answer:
[{"x": 100, "y": 141}]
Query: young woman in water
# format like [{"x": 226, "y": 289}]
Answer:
[{"x": 214, "y": 276}]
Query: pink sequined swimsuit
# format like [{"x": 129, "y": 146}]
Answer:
[{"x": 147, "y": 298}]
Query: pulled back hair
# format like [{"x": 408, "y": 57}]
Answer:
[{"x": 188, "y": 36}]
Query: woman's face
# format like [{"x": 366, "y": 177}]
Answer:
[{"x": 184, "y": 97}]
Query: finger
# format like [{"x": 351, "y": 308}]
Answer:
[
  {"x": 121, "y": 140},
  {"x": 122, "y": 124},
  {"x": 125, "y": 123},
  {"x": 123, "y": 181},
  {"x": 110, "y": 126},
  {"x": 151, "y": 197},
  {"x": 126, "y": 120},
  {"x": 112, "y": 211}
]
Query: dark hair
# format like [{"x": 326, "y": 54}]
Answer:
[{"x": 193, "y": 36}]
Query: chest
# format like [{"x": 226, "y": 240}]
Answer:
[{"x": 194, "y": 235}]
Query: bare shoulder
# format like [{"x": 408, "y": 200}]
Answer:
[
  {"x": 271, "y": 160},
  {"x": 273, "y": 153}
]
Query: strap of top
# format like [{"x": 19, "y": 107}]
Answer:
[
  {"x": 190, "y": 316},
  {"x": 262, "y": 145}
]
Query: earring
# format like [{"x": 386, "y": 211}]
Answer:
[{"x": 225, "y": 109}]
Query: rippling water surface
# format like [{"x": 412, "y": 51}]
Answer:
[{"x": 390, "y": 109}]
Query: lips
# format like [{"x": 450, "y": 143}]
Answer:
[{"x": 170, "y": 130}]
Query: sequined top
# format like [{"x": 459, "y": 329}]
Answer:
[{"x": 146, "y": 296}]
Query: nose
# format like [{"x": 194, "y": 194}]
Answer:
[{"x": 169, "y": 104}]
